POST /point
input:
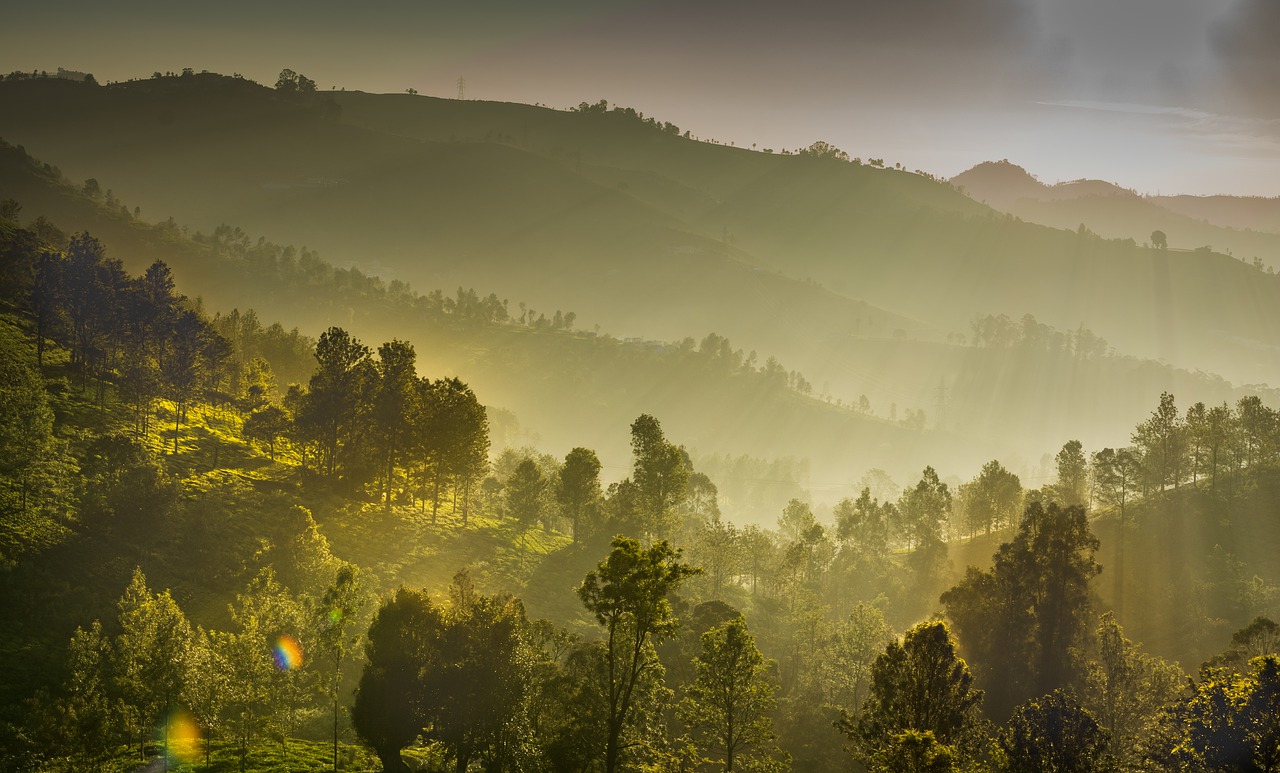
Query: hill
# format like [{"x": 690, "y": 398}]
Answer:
[
  {"x": 646, "y": 232},
  {"x": 1010, "y": 397}
]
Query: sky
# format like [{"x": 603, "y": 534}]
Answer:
[{"x": 1162, "y": 96}]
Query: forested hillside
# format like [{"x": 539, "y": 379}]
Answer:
[
  {"x": 348, "y": 572},
  {"x": 1006, "y": 388},
  {"x": 647, "y": 232}
]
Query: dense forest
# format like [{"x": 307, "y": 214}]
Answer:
[{"x": 229, "y": 545}]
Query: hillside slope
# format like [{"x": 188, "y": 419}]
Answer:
[
  {"x": 567, "y": 389},
  {"x": 648, "y": 233}
]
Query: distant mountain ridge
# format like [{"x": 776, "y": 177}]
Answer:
[{"x": 1243, "y": 226}]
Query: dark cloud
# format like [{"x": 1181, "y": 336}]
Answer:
[{"x": 1246, "y": 41}]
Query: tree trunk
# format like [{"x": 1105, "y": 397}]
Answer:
[{"x": 391, "y": 761}]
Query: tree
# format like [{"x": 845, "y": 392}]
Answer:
[
  {"x": 660, "y": 473},
  {"x": 90, "y": 284},
  {"x": 1161, "y": 442},
  {"x": 266, "y": 653},
  {"x": 458, "y": 676},
  {"x": 822, "y": 149},
  {"x": 151, "y": 653},
  {"x": 88, "y": 716},
  {"x": 332, "y": 406},
  {"x": 796, "y": 522},
  {"x": 864, "y": 524},
  {"x": 451, "y": 429},
  {"x": 392, "y": 405},
  {"x": 526, "y": 496},
  {"x": 267, "y": 425},
  {"x": 845, "y": 665},
  {"x": 919, "y": 684},
  {"x": 923, "y": 509},
  {"x": 1055, "y": 734},
  {"x": 731, "y": 699},
  {"x": 1220, "y": 435},
  {"x": 476, "y": 684},
  {"x": 295, "y": 83},
  {"x": 718, "y": 550},
  {"x": 207, "y": 685},
  {"x": 26, "y": 425},
  {"x": 1023, "y": 623},
  {"x": 1159, "y": 240},
  {"x": 181, "y": 369},
  {"x": 47, "y": 308},
  {"x": 337, "y": 635},
  {"x": 1257, "y": 425},
  {"x": 387, "y": 712},
  {"x": 1259, "y": 638},
  {"x": 993, "y": 498},
  {"x": 1231, "y": 722},
  {"x": 1125, "y": 689},
  {"x": 1072, "y": 486},
  {"x": 1116, "y": 475},
  {"x": 578, "y": 488},
  {"x": 627, "y": 592}
]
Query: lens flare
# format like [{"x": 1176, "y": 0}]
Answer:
[
  {"x": 184, "y": 737},
  {"x": 335, "y": 616},
  {"x": 288, "y": 653}
]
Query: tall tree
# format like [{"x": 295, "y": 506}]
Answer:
[
  {"x": 1072, "y": 486},
  {"x": 1125, "y": 689},
  {"x": 1220, "y": 432},
  {"x": 392, "y": 406},
  {"x": 475, "y": 694},
  {"x": 627, "y": 592},
  {"x": 401, "y": 643},
  {"x": 660, "y": 473},
  {"x": 151, "y": 653},
  {"x": 1161, "y": 440},
  {"x": 526, "y": 496},
  {"x": 337, "y": 633},
  {"x": 207, "y": 684},
  {"x": 1116, "y": 477},
  {"x": 732, "y": 698},
  {"x": 26, "y": 427},
  {"x": 91, "y": 283},
  {"x": 578, "y": 489},
  {"x": 919, "y": 684},
  {"x": 923, "y": 510},
  {"x": 90, "y": 719},
  {"x": 1023, "y": 623},
  {"x": 1055, "y": 734},
  {"x": 863, "y": 525},
  {"x": 332, "y": 405},
  {"x": 181, "y": 368},
  {"x": 993, "y": 498},
  {"x": 47, "y": 308}
]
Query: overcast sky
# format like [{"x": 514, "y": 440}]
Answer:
[{"x": 1159, "y": 95}]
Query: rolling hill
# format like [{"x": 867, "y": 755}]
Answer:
[{"x": 654, "y": 237}]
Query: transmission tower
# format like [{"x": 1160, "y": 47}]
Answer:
[{"x": 462, "y": 86}]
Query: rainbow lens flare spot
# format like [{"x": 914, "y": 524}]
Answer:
[
  {"x": 288, "y": 653},
  {"x": 335, "y": 616}
]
